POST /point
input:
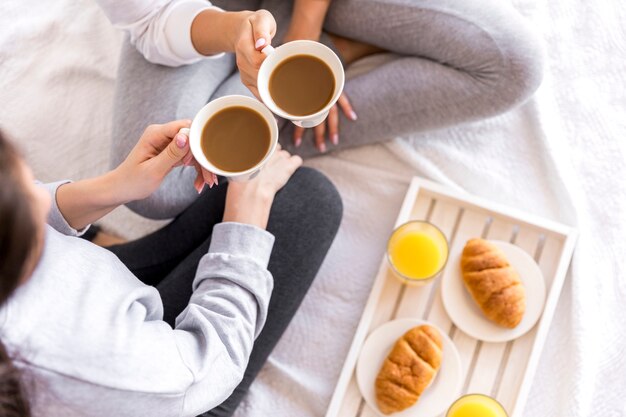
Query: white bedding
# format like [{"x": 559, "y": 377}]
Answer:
[{"x": 563, "y": 156}]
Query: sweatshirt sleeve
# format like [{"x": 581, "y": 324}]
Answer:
[
  {"x": 55, "y": 217},
  {"x": 159, "y": 29},
  {"x": 226, "y": 312}
]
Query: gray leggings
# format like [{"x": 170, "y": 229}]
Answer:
[{"x": 454, "y": 61}]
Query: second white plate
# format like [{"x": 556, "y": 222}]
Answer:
[
  {"x": 443, "y": 390},
  {"x": 467, "y": 316}
]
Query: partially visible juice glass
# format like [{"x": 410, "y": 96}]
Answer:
[
  {"x": 417, "y": 252},
  {"x": 476, "y": 405}
]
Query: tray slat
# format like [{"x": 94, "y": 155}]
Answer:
[
  {"x": 530, "y": 241},
  {"x": 352, "y": 399},
  {"x": 503, "y": 370},
  {"x": 473, "y": 224},
  {"x": 547, "y": 256},
  {"x": 368, "y": 412}
]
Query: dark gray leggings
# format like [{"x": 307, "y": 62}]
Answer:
[
  {"x": 304, "y": 219},
  {"x": 455, "y": 61}
]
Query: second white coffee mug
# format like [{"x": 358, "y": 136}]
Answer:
[
  {"x": 302, "y": 47},
  {"x": 203, "y": 116}
]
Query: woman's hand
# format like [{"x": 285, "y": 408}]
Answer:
[
  {"x": 255, "y": 32},
  {"x": 250, "y": 201},
  {"x": 202, "y": 175},
  {"x": 160, "y": 148},
  {"x": 333, "y": 125}
]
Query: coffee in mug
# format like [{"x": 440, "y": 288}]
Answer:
[
  {"x": 236, "y": 139},
  {"x": 233, "y": 136},
  {"x": 302, "y": 85},
  {"x": 300, "y": 81}
]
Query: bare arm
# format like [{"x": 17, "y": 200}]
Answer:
[
  {"x": 159, "y": 149},
  {"x": 84, "y": 202},
  {"x": 244, "y": 33},
  {"x": 214, "y": 31},
  {"x": 307, "y": 19}
]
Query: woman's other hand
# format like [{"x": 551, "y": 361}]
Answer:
[
  {"x": 256, "y": 31},
  {"x": 202, "y": 175},
  {"x": 250, "y": 201},
  {"x": 331, "y": 124},
  {"x": 160, "y": 148}
]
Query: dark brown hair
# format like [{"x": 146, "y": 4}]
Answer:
[{"x": 18, "y": 231}]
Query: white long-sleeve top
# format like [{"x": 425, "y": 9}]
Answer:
[{"x": 160, "y": 29}]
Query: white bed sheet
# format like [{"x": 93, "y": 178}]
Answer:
[{"x": 563, "y": 155}]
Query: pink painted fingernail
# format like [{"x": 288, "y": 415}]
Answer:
[
  {"x": 215, "y": 179},
  {"x": 259, "y": 43},
  {"x": 335, "y": 139},
  {"x": 199, "y": 188},
  {"x": 322, "y": 147},
  {"x": 297, "y": 142},
  {"x": 181, "y": 140},
  {"x": 353, "y": 115}
]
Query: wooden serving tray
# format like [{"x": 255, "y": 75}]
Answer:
[{"x": 503, "y": 370}]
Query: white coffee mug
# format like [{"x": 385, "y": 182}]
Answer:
[
  {"x": 276, "y": 55},
  {"x": 211, "y": 108}
]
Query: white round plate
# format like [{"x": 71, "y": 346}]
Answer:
[
  {"x": 443, "y": 390},
  {"x": 467, "y": 316}
]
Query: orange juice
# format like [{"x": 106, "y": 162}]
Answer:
[
  {"x": 417, "y": 250},
  {"x": 476, "y": 405}
]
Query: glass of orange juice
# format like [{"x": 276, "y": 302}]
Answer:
[
  {"x": 417, "y": 252},
  {"x": 476, "y": 405}
]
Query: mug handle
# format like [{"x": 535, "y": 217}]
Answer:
[{"x": 269, "y": 49}]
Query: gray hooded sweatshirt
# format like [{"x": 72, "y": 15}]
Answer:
[{"x": 90, "y": 337}]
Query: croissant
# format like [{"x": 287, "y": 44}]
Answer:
[
  {"x": 493, "y": 283},
  {"x": 408, "y": 369}
]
